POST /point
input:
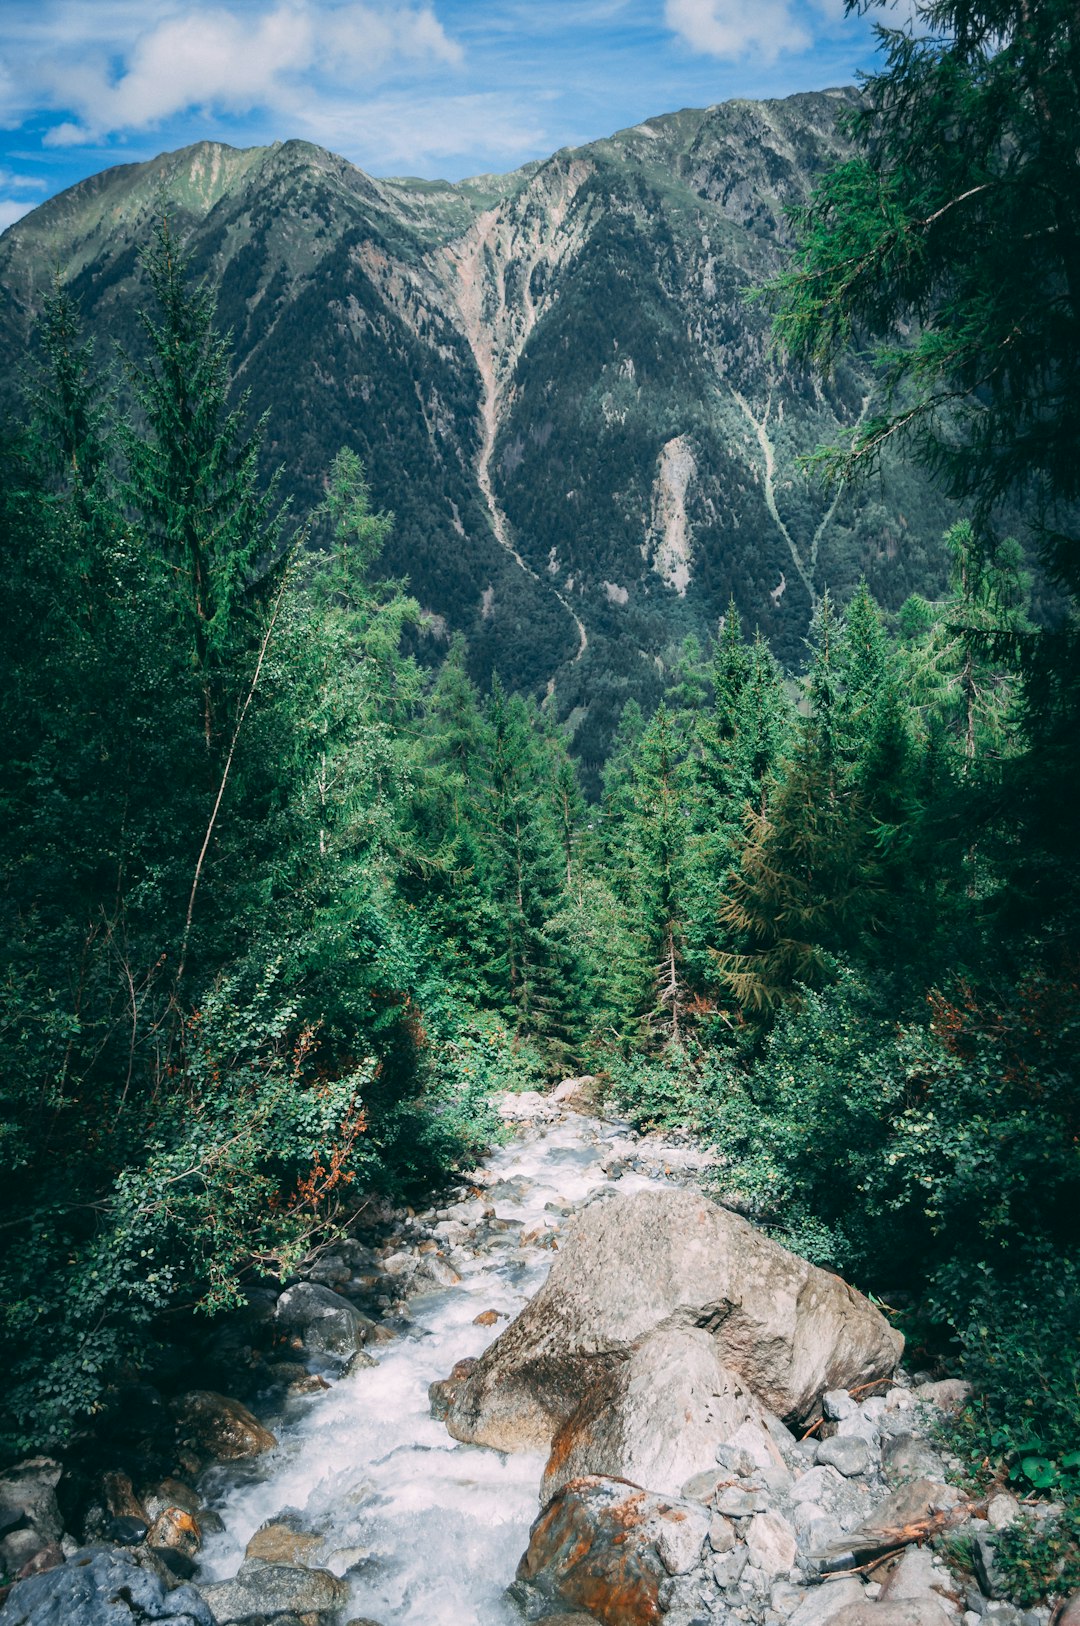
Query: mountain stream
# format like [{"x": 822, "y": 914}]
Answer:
[{"x": 428, "y": 1532}]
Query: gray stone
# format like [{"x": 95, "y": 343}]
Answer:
[
  {"x": 788, "y": 1330},
  {"x": 948, "y": 1395},
  {"x": 260, "y": 1588},
  {"x": 735, "y": 1460},
  {"x": 1002, "y": 1510},
  {"x": 679, "y": 1543},
  {"x": 653, "y": 1418},
  {"x": 909, "y": 1456},
  {"x": 821, "y": 1603},
  {"x": 736, "y": 1503},
  {"x": 28, "y": 1493},
  {"x": 817, "y": 1485},
  {"x": 837, "y": 1404},
  {"x": 903, "y": 1612},
  {"x": 984, "y": 1563},
  {"x": 325, "y": 1323},
  {"x": 103, "y": 1587},
  {"x": 721, "y": 1534},
  {"x": 849, "y": 1455},
  {"x": 727, "y": 1571},
  {"x": 1002, "y": 1613},
  {"x": 770, "y": 1541},
  {"x": 915, "y": 1576}
]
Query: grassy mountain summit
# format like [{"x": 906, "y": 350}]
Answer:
[{"x": 553, "y": 377}]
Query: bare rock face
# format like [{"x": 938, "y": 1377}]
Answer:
[
  {"x": 670, "y": 1258},
  {"x": 604, "y": 1546},
  {"x": 655, "y": 1417}
]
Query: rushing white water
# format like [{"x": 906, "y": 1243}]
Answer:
[{"x": 427, "y": 1531}]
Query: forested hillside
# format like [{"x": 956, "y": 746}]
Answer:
[
  {"x": 553, "y": 377},
  {"x": 282, "y": 904}
]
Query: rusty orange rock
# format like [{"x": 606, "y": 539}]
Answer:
[{"x": 596, "y": 1547}]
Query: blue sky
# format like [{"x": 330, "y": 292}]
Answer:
[{"x": 422, "y": 87}]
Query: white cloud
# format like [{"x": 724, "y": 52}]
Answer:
[
  {"x": 11, "y": 210},
  {"x": 412, "y": 133},
  {"x": 732, "y": 29},
  {"x": 224, "y": 59},
  {"x": 10, "y": 182}
]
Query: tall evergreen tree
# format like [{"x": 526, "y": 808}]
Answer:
[
  {"x": 806, "y": 882},
  {"x": 194, "y": 479}
]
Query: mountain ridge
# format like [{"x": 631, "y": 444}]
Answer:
[{"x": 553, "y": 376}]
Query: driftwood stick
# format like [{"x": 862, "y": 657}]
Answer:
[{"x": 867, "y": 1548}]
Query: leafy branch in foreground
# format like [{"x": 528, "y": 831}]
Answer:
[{"x": 951, "y": 244}]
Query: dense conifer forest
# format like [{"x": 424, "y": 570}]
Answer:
[{"x": 281, "y": 907}]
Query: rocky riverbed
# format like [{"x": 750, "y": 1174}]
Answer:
[{"x": 577, "y": 1391}]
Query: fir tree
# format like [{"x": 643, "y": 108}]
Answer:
[
  {"x": 194, "y": 482},
  {"x": 806, "y": 882}
]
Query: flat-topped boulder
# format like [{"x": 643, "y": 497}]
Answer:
[{"x": 670, "y": 1258}]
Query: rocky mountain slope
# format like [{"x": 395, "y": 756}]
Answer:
[{"x": 554, "y": 377}]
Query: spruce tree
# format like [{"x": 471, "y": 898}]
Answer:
[
  {"x": 194, "y": 481},
  {"x": 805, "y": 887}
]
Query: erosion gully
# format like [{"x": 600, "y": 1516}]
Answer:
[{"x": 428, "y": 1532}]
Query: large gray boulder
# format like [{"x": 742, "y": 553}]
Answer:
[
  {"x": 324, "y": 1322},
  {"x": 654, "y": 1418},
  {"x": 670, "y": 1258},
  {"x": 261, "y": 1589},
  {"x": 102, "y": 1588}
]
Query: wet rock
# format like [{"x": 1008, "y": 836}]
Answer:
[
  {"x": 486, "y": 1318},
  {"x": 770, "y": 1541},
  {"x": 127, "y": 1530},
  {"x": 215, "y": 1428},
  {"x": 103, "y": 1588},
  {"x": 295, "y": 1379},
  {"x": 435, "y": 1272},
  {"x": 324, "y": 1322},
  {"x": 442, "y": 1393},
  {"x": 849, "y": 1456},
  {"x": 260, "y": 1588},
  {"x": 119, "y": 1497},
  {"x": 171, "y": 1493},
  {"x": 175, "y": 1530},
  {"x": 595, "y": 1547},
  {"x": 652, "y": 1418},
  {"x": 282, "y": 1540},
  {"x": 909, "y": 1456},
  {"x": 787, "y": 1329}
]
